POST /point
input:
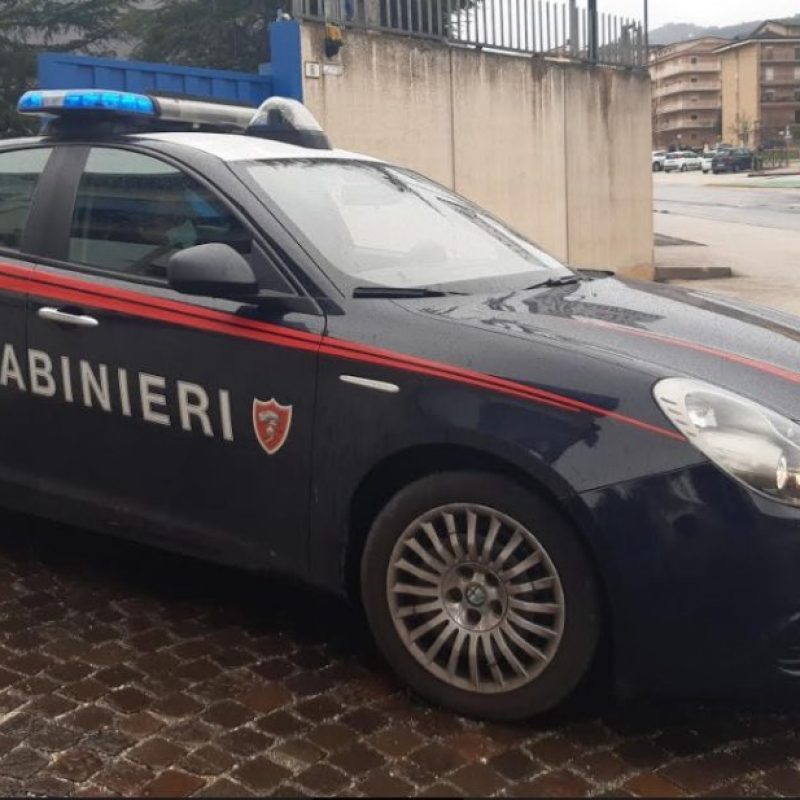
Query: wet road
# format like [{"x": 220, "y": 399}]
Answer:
[
  {"x": 129, "y": 672},
  {"x": 716, "y": 198}
]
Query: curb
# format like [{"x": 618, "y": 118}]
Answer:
[{"x": 691, "y": 273}]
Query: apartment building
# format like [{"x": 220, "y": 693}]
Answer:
[
  {"x": 760, "y": 77},
  {"x": 686, "y": 93}
]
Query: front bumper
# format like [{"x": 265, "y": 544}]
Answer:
[{"x": 702, "y": 579}]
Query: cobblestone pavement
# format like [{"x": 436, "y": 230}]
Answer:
[{"x": 125, "y": 671}]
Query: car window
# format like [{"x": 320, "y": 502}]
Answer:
[
  {"x": 20, "y": 171},
  {"x": 133, "y": 212},
  {"x": 385, "y": 226}
]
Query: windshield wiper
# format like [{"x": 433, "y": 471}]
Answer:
[
  {"x": 564, "y": 280},
  {"x": 397, "y": 292}
]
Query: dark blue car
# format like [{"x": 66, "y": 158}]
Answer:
[{"x": 293, "y": 358}]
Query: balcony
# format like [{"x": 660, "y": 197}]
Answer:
[
  {"x": 781, "y": 100},
  {"x": 685, "y": 123},
  {"x": 684, "y": 87},
  {"x": 683, "y": 67},
  {"x": 676, "y": 106},
  {"x": 781, "y": 80}
]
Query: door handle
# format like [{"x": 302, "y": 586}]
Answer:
[{"x": 66, "y": 318}]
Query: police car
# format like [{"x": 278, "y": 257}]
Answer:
[{"x": 223, "y": 337}]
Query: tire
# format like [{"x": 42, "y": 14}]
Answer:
[{"x": 556, "y": 652}]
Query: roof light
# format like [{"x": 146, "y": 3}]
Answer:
[
  {"x": 289, "y": 121},
  {"x": 58, "y": 102}
]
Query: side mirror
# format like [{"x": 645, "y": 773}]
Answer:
[{"x": 212, "y": 270}]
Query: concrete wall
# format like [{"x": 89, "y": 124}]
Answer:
[{"x": 560, "y": 151}]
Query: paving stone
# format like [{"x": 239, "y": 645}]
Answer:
[
  {"x": 396, "y": 741},
  {"x": 22, "y": 762},
  {"x": 478, "y": 780},
  {"x": 224, "y": 788},
  {"x": 383, "y": 783},
  {"x": 53, "y": 737},
  {"x": 559, "y": 783},
  {"x": 156, "y": 752},
  {"x": 140, "y": 725},
  {"x": 701, "y": 774},
  {"x": 356, "y": 759},
  {"x": 319, "y": 709},
  {"x": 553, "y": 750},
  {"x": 514, "y": 765},
  {"x": 260, "y": 774},
  {"x": 266, "y": 698},
  {"x": 473, "y": 746},
  {"x": 364, "y": 720},
  {"x": 282, "y": 723},
  {"x": 332, "y": 736},
  {"x": 323, "y": 779},
  {"x": 437, "y": 759},
  {"x": 298, "y": 751},
  {"x": 89, "y": 717},
  {"x": 440, "y": 790},
  {"x": 128, "y": 700},
  {"x": 124, "y": 777},
  {"x": 228, "y": 714},
  {"x": 648, "y": 785},
  {"x": 176, "y": 704},
  {"x": 244, "y": 742},
  {"x": 783, "y": 780},
  {"x": 173, "y": 783},
  {"x": 77, "y": 765},
  {"x": 208, "y": 760}
]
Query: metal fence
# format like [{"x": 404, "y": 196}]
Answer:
[{"x": 553, "y": 28}]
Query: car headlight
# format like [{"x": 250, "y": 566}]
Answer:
[{"x": 753, "y": 444}]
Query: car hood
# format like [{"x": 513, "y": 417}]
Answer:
[{"x": 651, "y": 327}]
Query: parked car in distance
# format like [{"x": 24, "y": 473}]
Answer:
[
  {"x": 706, "y": 161},
  {"x": 658, "y": 160},
  {"x": 682, "y": 161},
  {"x": 735, "y": 159}
]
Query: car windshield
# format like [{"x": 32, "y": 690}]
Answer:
[{"x": 382, "y": 226}]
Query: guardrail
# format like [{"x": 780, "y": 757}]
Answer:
[{"x": 548, "y": 28}]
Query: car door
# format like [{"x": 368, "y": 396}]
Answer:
[
  {"x": 21, "y": 174},
  {"x": 187, "y": 419}
]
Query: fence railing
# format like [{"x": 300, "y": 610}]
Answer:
[{"x": 553, "y": 28}]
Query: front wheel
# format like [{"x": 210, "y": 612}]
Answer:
[{"x": 480, "y": 596}]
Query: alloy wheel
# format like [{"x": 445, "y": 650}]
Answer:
[{"x": 475, "y": 598}]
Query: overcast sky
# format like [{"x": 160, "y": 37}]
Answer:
[{"x": 702, "y": 12}]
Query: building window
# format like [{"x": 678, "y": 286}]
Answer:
[
  {"x": 797, "y": 54},
  {"x": 694, "y": 116},
  {"x": 769, "y": 53},
  {"x": 769, "y": 96},
  {"x": 693, "y": 60},
  {"x": 694, "y": 136},
  {"x": 769, "y": 73},
  {"x": 797, "y": 116},
  {"x": 797, "y": 73},
  {"x": 694, "y": 80},
  {"x": 797, "y": 95}
]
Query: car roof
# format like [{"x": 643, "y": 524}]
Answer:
[{"x": 225, "y": 146}]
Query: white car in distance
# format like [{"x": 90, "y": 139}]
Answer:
[
  {"x": 705, "y": 161},
  {"x": 682, "y": 161}
]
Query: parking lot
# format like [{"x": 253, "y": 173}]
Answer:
[{"x": 126, "y": 671}]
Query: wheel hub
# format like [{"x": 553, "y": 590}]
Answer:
[{"x": 475, "y": 598}]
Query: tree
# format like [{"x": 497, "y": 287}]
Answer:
[
  {"x": 741, "y": 129},
  {"x": 28, "y": 27},
  {"x": 223, "y": 34}
]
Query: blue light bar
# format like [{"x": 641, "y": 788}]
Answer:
[{"x": 58, "y": 102}]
